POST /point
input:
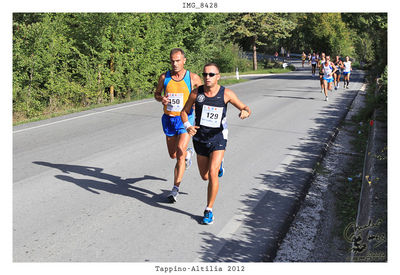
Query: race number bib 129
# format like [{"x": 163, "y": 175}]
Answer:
[
  {"x": 211, "y": 116},
  {"x": 175, "y": 102}
]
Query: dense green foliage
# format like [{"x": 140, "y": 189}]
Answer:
[
  {"x": 63, "y": 60},
  {"x": 321, "y": 32},
  {"x": 77, "y": 59},
  {"x": 259, "y": 29}
]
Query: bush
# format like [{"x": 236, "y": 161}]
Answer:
[{"x": 382, "y": 96}]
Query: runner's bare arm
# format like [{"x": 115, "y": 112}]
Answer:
[
  {"x": 196, "y": 81},
  {"x": 231, "y": 97},
  {"x": 191, "y": 129},
  {"x": 158, "y": 93},
  {"x": 334, "y": 68},
  {"x": 188, "y": 106}
]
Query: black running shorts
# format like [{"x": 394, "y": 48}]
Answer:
[{"x": 205, "y": 149}]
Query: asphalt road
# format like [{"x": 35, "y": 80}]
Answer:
[{"x": 92, "y": 186}]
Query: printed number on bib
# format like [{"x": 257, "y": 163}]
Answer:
[
  {"x": 175, "y": 102},
  {"x": 211, "y": 116}
]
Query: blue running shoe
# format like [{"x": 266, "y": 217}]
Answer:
[
  {"x": 221, "y": 169},
  {"x": 208, "y": 217}
]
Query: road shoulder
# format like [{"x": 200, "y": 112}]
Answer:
[{"x": 313, "y": 235}]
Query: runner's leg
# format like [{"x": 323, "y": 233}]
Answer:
[
  {"x": 180, "y": 167},
  {"x": 214, "y": 165},
  {"x": 330, "y": 86},
  {"x": 335, "y": 76},
  {"x": 348, "y": 80},
  {"x": 325, "y": 89},
  {"x": 172, "y": 144},
  {"x": 202, "y": 164},
  {"x": 322, "y": 82}
]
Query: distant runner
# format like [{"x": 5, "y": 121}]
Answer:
[
  {"x": 346, "y": 72},
  {"x": 339, "y": 64},
  {"x": 328, "y": 70},
  {"x": 303, "y": 59},
  {"x": 313, "y": 64},
  {"x": 321, "y": 73}
]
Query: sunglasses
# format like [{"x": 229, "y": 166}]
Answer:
[{"x": 209, "y": 74}]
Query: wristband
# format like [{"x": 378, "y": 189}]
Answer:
[{"x": 187, "y": 125}]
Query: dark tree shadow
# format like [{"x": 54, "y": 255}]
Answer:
[{"x": 266, "y": 224}]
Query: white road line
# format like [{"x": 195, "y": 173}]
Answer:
[{"x": 72, "y": 118}]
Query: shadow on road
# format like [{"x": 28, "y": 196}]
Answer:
[
  {"x": 115, "y": 185},
  {"x": 280, "y": 196}
]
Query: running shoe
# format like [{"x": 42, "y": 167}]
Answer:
[
  {"x": 221, "y": 169},
  {"x": 189, "y": 155},
  {"x": 326, "y": 98},
  {"x": 208, "y": 217},
  {"x": 172, "y": 197},
  {"x": 335, "y": 87}
]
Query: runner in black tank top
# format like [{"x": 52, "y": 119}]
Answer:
[
  {"x": 210, "y": 132},
  {"x": 210, "y": 116}
]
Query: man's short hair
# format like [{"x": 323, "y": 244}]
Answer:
[
  {"x": 175, "y": 50},
  {"x": 211, "y": 64}
]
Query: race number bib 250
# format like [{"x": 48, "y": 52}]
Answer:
[
  {"x": 175, "y": 102},
  {"x": 211, "y": 116}
]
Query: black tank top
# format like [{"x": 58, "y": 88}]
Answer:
[
  {"x": 210, "y": 116},
  {"x": 337, "y": 64}
]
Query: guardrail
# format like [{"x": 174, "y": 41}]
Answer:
[{"x": 363, "y": 220}]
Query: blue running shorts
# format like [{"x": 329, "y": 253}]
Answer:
[
  {"x": 328, "y": 80},
  {"x": 173, "y": 126}
]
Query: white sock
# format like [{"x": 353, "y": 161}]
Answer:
[{"x": 208, "y": 209}]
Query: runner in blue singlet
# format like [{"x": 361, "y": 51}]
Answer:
[{"x": 172, "y": 91}]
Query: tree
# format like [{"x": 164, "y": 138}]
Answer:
[
  {"x": 370, "y": 36},
  {"x": 64, "y": 60},
  {"x": 322, "y": 32},
  {"x": 259, "y": 29},
  {"x": 41, "y": 73}
]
